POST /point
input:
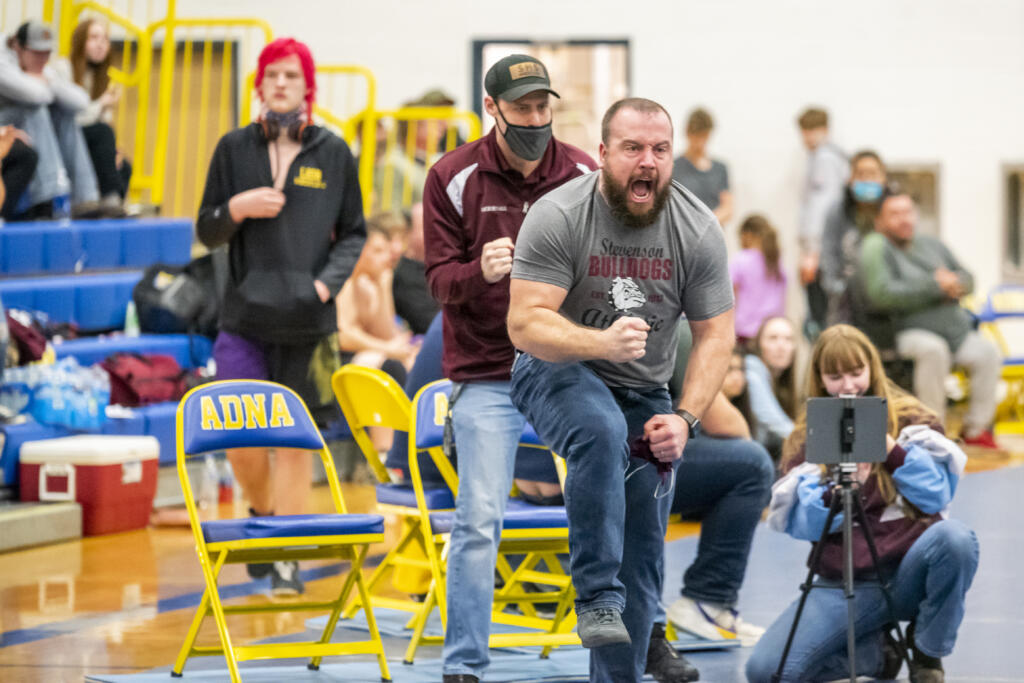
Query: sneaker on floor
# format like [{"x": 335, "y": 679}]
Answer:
[
  {"x": 665, "y": 663},
  {"x": 284, "y": 579},
  {"x": 709, "y": 621},
  {"x": 983, "y": 439},
  {"x": 601, "y": 627},
  {"x": 259, "y": 570}
]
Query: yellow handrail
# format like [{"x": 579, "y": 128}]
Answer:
[{"x": 169, "y": 24}]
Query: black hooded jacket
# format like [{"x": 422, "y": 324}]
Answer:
[{"x": 318, "y": 235}]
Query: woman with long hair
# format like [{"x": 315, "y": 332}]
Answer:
[
  {"x": 771, "y": 383},
  {"x": 90, "y": 61},
  {"x": 757, "y": 277},
  {"x": 928, "y": 559}
]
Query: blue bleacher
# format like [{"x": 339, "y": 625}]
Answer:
[
  {"x": 93, "y": 302},
  {"x": 39, "y": 247},
  {"x": 45, "y": 266},
  {"x": 191, "y": 351}
]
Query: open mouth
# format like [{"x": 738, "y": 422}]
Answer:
[{"x": 641, "y": 190}]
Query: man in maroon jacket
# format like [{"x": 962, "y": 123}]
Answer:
[{"x": 474, "y": 201}]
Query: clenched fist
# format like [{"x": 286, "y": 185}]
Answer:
[
  {"x": 626, "y": 339},
  {"x": 496, "y": 259},
  {"x": 259, "y": 202}
]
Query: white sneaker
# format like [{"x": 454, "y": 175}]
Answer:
[{"x": 712, "y": 622}]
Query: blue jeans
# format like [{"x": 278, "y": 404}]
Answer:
[
  {"x": 929, "y": 588},
  {"x": 616, "y": 526},
  {"x": 726, "y": 483},
  {"x": 487, "y": 430},
  {"x": 64, "y": 164}
]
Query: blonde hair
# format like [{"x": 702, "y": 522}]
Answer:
[{"x": 841, "y": 349}]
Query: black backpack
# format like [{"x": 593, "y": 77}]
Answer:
[{"x": 177, "y": 299}]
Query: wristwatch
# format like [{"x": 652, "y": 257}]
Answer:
[{"x": 692, "y": 421}]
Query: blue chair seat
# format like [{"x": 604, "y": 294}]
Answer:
[
  {"x": 403, "y": 494},
  {"x": 219, "y": 531},
  {"x": 537, "y": 517}
]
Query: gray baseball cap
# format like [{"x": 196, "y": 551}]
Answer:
[
  {"x": 516, "y": 75},
  {"x": 35, "y": 35}
]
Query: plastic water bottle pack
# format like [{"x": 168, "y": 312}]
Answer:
[{"x": 63, "y": 393}]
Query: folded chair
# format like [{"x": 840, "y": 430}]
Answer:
[
  {"x": 371, "y": 398},
  {"x": 1002, "y": 318},
  {"x": 538, "y": 533},
  {"x": 235, "y": 414}
]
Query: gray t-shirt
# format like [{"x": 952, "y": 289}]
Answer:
[
  {"x": 707, "y": 185},
  {"x": 676, "y": 265}
]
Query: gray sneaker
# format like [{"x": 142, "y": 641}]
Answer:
[{"x": 601, "y": 627}]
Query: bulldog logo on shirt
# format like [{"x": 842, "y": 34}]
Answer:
[{"x": 624, "y": 294}]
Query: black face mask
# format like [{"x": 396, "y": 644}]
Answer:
[{"x": 526, "y": 142}]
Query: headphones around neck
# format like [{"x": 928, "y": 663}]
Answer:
[{"x": 271, "y": 128}]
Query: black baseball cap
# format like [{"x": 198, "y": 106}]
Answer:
[{"x": 516, "y": 75}]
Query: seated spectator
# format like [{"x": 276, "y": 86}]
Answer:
[
  {"x": 757, "y": 278},
  {"x": 413, "y": 301},
  {"x": 17, "y": 165},
  {"x": 724, "y": 481},
  {"x": 771, "y": 380},
  {"x": 37, "y": 100},
  {"x": 918, "y": 282},
  {"x": 734, "y": 386},
  {"x": 367, "y": 332},
  {"x": 846, "y": 224},
  {"x": 90, "y": 59},
  {"x": 928, "y": 559},
  {"x": 700, "y": 174}
]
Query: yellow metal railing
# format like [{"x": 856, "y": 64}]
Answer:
[
  {"x": 405, "y": 144},
  {"x": 216, "y": 30}
]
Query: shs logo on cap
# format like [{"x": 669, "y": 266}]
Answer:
[{"x": 526, "y": 70}]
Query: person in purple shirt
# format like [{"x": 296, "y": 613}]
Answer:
[{"x": 757, "y": 278}]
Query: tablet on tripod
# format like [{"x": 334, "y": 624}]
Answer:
[{"x": 846, "y": 429}]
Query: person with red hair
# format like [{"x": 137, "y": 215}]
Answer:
[{"x": 283, "y": 194}]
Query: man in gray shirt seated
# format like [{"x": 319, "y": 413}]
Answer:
[
  {"x": 700, "y": 174},
  {"x": 918, "y": 282},
  {"x": 604, "y": 266}
]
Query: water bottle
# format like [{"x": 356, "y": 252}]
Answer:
[
  {"x": 131, "y": 320},
  {"x": 62, "y": 209},
  {"x": 209, "y": 484},
  {"x": 226, "y": 488}
]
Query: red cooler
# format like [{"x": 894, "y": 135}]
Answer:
[{"x": 112, "y": 477}]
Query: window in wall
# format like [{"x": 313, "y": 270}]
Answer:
[
  {"x": 589, "y": 75},
  {"x": 921, "y": 182},
  {"x": 1013, "y": 263}
]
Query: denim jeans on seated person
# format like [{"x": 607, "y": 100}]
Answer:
[
  {"x": 929, "y": 587},
  {"x": 726, "y": 484},
  {"x": 616, "y": 525},
  {"x": 487, "y": 430},
  {"x": 64, "y": 164}
]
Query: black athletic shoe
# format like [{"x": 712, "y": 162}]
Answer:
[
  {"x": 665, "y": 663},
  {"x": 284, "y": 579},
  {"x": 892, "y": 658},
  {"x": 259, "y": 570}
]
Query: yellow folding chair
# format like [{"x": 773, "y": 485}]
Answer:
[
  {"x": 1002, "y": 318},
  {"x": 539, "y": 533},
  {"x": 371, "y": 398},
  {"x": 234, "y": 414}
]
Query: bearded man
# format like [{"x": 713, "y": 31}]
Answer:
[{"x": 604, "y": 267}]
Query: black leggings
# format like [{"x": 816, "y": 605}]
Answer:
[
  {"x": 99, "y": 138},
  {"x": 18, "y": 167}
]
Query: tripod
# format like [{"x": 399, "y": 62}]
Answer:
[{"x": 845, "y": 498}]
